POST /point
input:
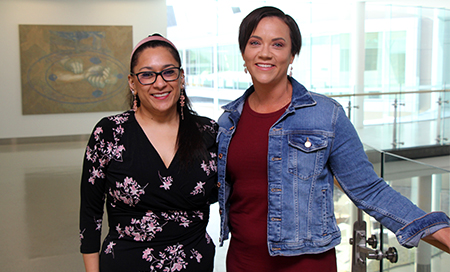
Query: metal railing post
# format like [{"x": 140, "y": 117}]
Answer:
[
  {"x": 394, "y": 130},
  {"x": 439, "y": 137},
  {"x": 360, "y": 252},
  {"x": 349, "y": 107}
]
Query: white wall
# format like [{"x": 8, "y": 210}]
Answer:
[{"x": 146, "y": 17}]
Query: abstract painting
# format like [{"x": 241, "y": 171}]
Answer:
[{"x": 70, "y": 69}]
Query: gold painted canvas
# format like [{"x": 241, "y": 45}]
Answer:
[{"x": 68, "y": 69}]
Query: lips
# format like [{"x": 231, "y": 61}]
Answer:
[
  {"x": 264, "y": 65},
  {"x": 161, "y": 95}
]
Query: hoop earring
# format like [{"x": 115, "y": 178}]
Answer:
[
  {"x": 182, "y": 98},
  {"x": 245, "y": 69},
  {"x": 134, "y": 108}
]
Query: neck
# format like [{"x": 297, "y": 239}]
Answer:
[
  {"x": 145, "y": 117},
  {"x": 270, "y": 98}
]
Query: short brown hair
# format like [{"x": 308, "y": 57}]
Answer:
[{"x": 251, "y": 21}]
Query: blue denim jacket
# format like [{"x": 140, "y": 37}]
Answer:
[{"x": 311, "y": 143}]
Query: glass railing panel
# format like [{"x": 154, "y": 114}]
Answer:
[
  {"x": 378, "y": 117},
  {"x": 417, "y": 119},
  {"x": 346, "y": 215},
  {"x": 427, "y": 187},
  {"x": 344, "y": 210},
  {"x": 399, "y": 120}
]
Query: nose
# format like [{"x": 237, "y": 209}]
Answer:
[
  {"x": 159, "y": 81},
  {"x": 265, "y": 51}
]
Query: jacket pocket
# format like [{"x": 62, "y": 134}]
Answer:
[{"x": 306, "y": 154}]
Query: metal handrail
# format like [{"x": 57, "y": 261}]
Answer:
[{"x": 388, "y": 93}]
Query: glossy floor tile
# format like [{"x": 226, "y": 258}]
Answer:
[{"x": 39, "y": 200}]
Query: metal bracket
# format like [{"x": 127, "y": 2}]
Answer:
[{"x": 360, "y": 252}]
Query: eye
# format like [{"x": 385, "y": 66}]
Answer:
[
  {"x": 253, "y": 42},
  {"x": 169, "y": 72},
  {"x": 278, "y": 44},
  {"x": 147, "y": 74}
]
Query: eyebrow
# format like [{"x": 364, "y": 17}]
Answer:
[
  {"x": 274, "y": 39},
  {"x": 150, "y": 68}
]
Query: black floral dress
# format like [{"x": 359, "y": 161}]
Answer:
[{"x": 157, "y": 216}]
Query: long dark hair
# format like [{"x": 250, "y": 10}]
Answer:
[
  {"x": 190, "y": 142},
  {"x": 251, "y": 21}
]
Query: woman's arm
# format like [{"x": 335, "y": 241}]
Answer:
[
  {"x": 372, "y": 194},
  {"x": 91, "y": 262},
  {"x": 439, "y": 239},
  {"x": 92, "y": 193}
]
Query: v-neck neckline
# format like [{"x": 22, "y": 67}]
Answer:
[{"x": 166, "y": 167}]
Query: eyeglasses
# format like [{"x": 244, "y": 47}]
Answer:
[{"x": 149, "y": 77}]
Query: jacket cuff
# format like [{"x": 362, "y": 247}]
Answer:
[{"x": 409, "y": 236}]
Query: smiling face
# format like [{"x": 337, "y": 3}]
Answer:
[
  {"x": 161, "y": 97},
  {"x": 268, "y": 54}
]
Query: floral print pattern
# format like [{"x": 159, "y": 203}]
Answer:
[
  {"x": 146, "y": 228},
  {"x": 172, "y": 259},
  {"x": 98, "y": 222},
  {"x": 143, "y": 229},
  {"x": 210, "y": 166},
  {"x": 166, "y": 182},
  {"x": 103, "y": 152},
  {"x": 110, "y": 248},
  {"x": 128, "y": 192},
  {"x": 149, "y": 206},
  {"x": 198, "y": 189},
  {"x": 181, "y": 216}
]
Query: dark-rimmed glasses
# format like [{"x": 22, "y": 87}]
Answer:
[{"x": 149, "y": 77}]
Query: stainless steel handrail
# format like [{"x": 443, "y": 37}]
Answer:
[{"x": 388, "y": 93}]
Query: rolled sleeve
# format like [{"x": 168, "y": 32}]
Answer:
[{"x": 409, "y": 236}]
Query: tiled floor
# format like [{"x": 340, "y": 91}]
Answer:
[
  {"x": 39, "y": 200},
  {"x": 39, "y": 203}
]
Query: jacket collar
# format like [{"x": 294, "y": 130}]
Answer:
[{"x": 301, "y": 97}]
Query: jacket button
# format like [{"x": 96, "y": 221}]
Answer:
[
  {"x": 218, "y": 184},
  {"x": 220, "y": 156},
  {"x": 308, "y": 143}
]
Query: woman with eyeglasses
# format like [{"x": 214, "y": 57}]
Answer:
[{"x": 155, "y": 167}]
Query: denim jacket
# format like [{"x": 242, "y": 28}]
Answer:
[{"x": 312, "y": 142}]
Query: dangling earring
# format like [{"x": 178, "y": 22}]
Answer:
[
  {"x": 245, "y": 69},
  {"x": 134, "y": 108},
  {"x": 290, "y": 72},
  {"x": 182, "y": 98}
]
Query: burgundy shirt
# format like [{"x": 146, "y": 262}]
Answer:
[{"x": 247, "y": 170}]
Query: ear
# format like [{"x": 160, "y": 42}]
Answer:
[
  {"x": 131, "y": 82},
  {"x": 292, "y": 59},
  {"x": 183, "y": 79}
]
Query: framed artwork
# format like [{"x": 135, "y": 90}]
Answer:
[{"x": 68, "y": 69}]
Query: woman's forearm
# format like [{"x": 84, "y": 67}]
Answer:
[
  {"x": 91, "y": 262},
  {"x": 440, "y": 239}
]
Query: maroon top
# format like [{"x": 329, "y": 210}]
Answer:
[{"x": 247, "y": 170}]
